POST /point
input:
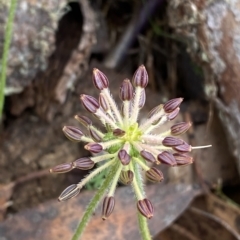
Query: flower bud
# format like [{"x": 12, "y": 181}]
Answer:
[
  {"x": 185, "y": 147},
  {"x": 70, "y": 192},
  {"x": 118, "y": 132},
  {"x": 154, "y": 175},
  {"x": 62, "y": 168},
  {"x": 93, "y": 147},
  {"x": 85, "y": 121},
  {"x": 90, "y": 103},
  {"x": 124, "y": 157},
  {"x": 73, "y": 133},
  {"x": 145, "y": 207},
  {"x": 140, "y": 77},
  {"x": 148, "y": 156},
  {"x": 172, "y": 104},
  {"x": 172, "y": 115},
  {"x": 182, "y": 159},
  {"x": 103, "y": 102},
  {"x": 172, "y": 141},
  {"x": 100, "y": 80},
  {"x": 94, "y": 135},
  {"x": 180, "y": 128},
  {"x": 142, "y": 99},
  {"x": 108, "y": 206},
  {"x": 126, "y": 177},
  {"x": 167, "y": 158},
  {"x": 126, "y": 90},
  {"x": 83, "y": 163}
]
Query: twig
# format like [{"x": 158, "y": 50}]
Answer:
[
  {"x": 129, "y": 36},
  {"x": 216, "y": 219}
]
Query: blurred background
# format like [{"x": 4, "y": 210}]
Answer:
[{"x": 191, "y": 49}]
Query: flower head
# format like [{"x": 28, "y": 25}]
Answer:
[{"x": 126, "y": 144}]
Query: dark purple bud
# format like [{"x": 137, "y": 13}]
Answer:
[
  {"x": 103, "y": 102},
  {"x": 140, "y": 77},
  {"x": 185, "y": 147},
  {"x": 90, "y": 103},
  {"x": 142, "y": 99},
  {"x": 83, "y": 163},
  {"x": 70, "y": 192},
  {"x": 182, "y": 159},
  {"x": 155, "y": 110},
  {"x": 62, "y": 168},
  {"x": 118, "y": 132},
  {"x": 145, "y": 207},
  {"x": 154, "y": 175},
  {"x": 85, "y": 121},
  {"x": 148, "y": 156},
  {"x": 108, "y": 206},
  {"x": 126, "y": 177},
  {"x": 172, "y": 104},
  {"x": 167, "y": 158},
  {"x": 73, "y": 133},
  {"x": 172, "y": 115},
  {"x": 124, "y": 157},
  {"x": 94, "y": 135},
  {"x": 100, "y": 80},
  {"x": 172, "y": 141},
  {"x": 126, "y": 90},
  {"x": 180, "y": 128},
  {"x": 93, "y": 147}
]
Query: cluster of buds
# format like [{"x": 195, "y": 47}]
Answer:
[{"x": 126, "y": 144}]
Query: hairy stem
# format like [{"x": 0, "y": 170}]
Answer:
[
  {"x": 135, "y": 184},
  {"x": 143, "y": 227},
  {"x": 95, "y": 173},
  {"x": 115, "y": 180},
  {"x": 142, "y": 221},
  {"x": 135, "y": 109},
  {"x": 6, "y": 46},
  {"x": 94, "y": 202},
  {"x": 113, "y": 106}
]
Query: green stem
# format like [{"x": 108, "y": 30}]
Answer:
[
  {"x": 143, "y": 227},
  {"x": 142, "y": 221},
  {"x": 95, "y": 172},
  {"x": 136, "y": 187},
  {"x": 144, "y": 166},
  {"x": 6, "y": 46},
  {"x": 135, "y": 110},
  {"x": 94, "y": 202},
  {"x": 115, "y": 180}
]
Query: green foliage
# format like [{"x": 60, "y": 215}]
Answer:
[{"x": 6, "y": 46}]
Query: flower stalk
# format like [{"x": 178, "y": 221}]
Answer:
[{"x": 93, "y": 203}]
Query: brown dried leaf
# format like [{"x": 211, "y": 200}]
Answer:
[
  {"x": 225, "y": 210},
  {"x": 201, "y": 225}
]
